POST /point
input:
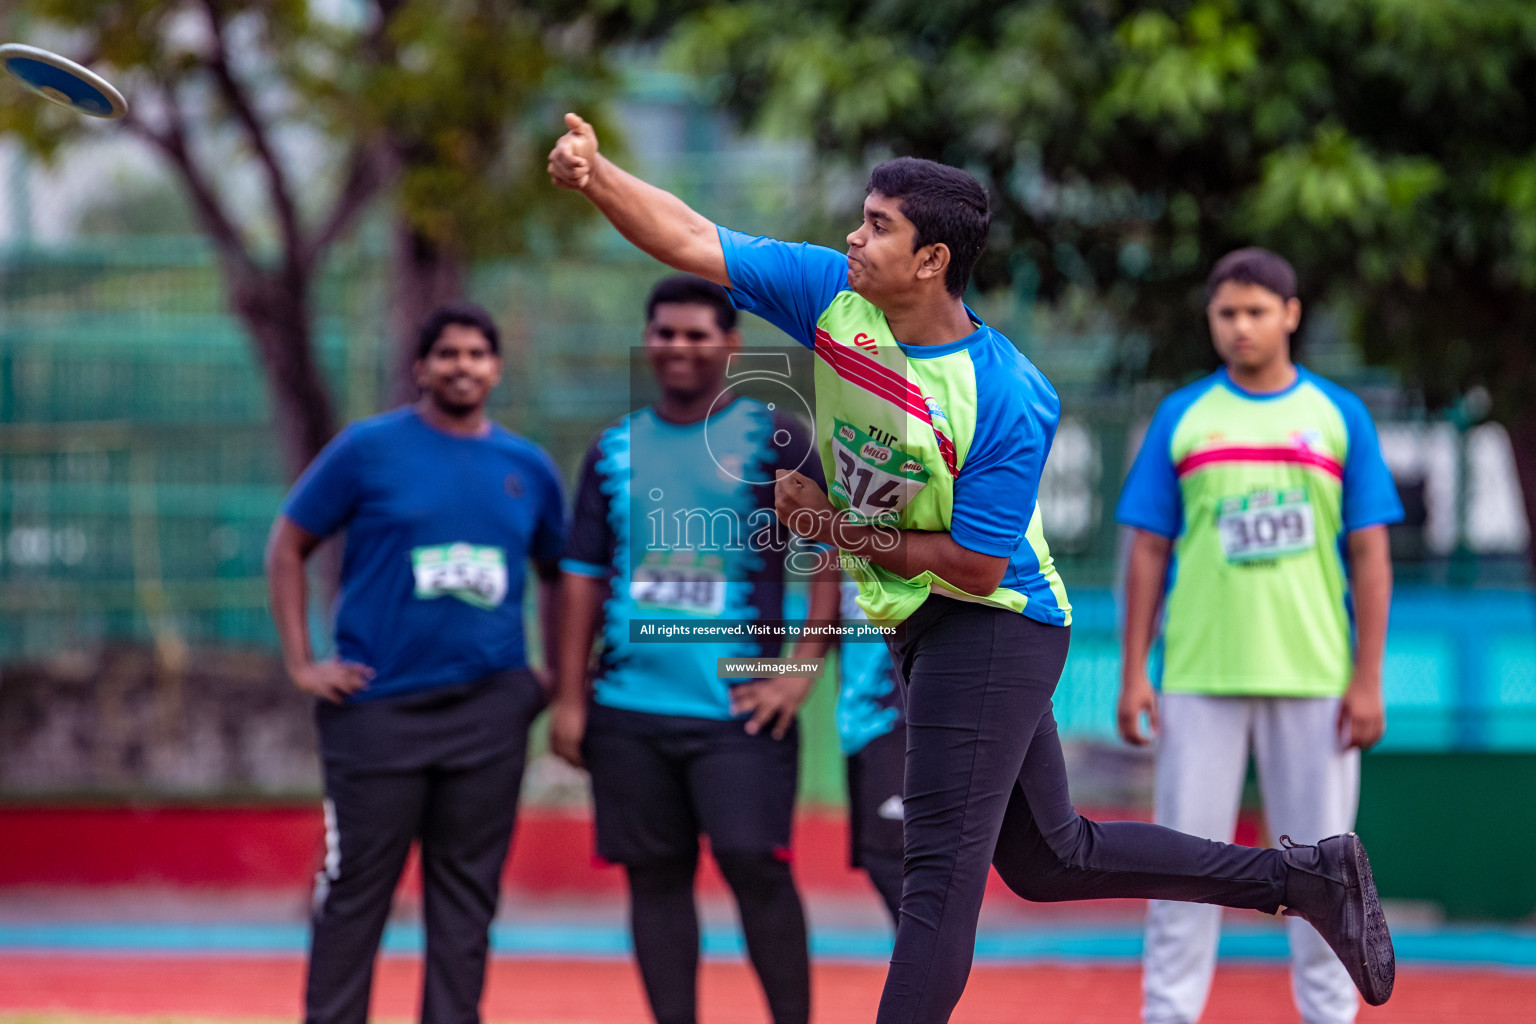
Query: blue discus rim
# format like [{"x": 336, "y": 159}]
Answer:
[{"x": 62, "y": 81}]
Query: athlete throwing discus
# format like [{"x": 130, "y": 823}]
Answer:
[{"x": 933, "y": 431}]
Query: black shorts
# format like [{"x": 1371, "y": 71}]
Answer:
[
  {"x": 874, "y": 796},
  {"x": 660, "y": 781}
]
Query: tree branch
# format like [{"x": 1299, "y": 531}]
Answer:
[
  {"x": 366, "y": 175},
  {"x": 368, "y": 165},
  {"x": 172, "y": 142},
  {"x": 277, "y": 181}
]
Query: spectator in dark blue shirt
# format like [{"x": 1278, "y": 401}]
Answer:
[{"x": 424, "y": 707}]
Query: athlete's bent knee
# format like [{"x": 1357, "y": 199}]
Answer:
[
  {"x": 1037, "y": 874},
  {"x": 1030, "y": 882}
]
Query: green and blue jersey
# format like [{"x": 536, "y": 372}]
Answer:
[
  {"x": 944, "y": 438},
  {"x": 1258, "y": 492},
  {"x": 869, "y": 701},
  {"x": 679, "y": 519}
]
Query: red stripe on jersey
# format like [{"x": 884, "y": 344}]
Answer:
[
  {"x": 883, "y": 382},
  {"x": 875, "y": 367},
  {"x": 855, "y": 372},
  {"x": 1261, "y": 453}
]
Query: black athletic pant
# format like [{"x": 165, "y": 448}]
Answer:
[
  {"x": 986, "y": 784},
  {"x": 665, "y": 926},
  {"x": 658, "y": 782},
  {"x": 443, "y": 770},
  {"x": 885, "y": 874},
  {"x": 875, "y": 784}
]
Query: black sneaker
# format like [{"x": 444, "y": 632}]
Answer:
[{"x": 1330, "y": 887}]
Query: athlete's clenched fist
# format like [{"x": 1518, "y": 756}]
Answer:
[
  {"x": 575, "y": 154},
  {"x": 803, "y": 506}
]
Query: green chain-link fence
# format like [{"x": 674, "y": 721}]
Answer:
[{"x": 138, "y": 475}]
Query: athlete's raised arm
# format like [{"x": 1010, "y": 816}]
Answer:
[{"x": 654, "y": 220}]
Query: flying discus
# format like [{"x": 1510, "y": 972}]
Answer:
[{"x": 62, "y": 81}]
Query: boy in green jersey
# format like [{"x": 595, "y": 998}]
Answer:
[
  {"x": 1266, "y": 483},
  {"x": 933, "y": 431}
]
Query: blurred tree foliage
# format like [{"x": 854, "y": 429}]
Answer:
[
  {"x": 284, "y": 121},
  {"x": 1387, "y": 147}
]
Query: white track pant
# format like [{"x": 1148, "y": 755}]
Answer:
[{"x": 1310, "y": 789}]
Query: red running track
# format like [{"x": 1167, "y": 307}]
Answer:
[
  {"x": 279, "y": 846},
  {"x": 604, "y": 992}
]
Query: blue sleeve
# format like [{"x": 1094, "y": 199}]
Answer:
[
  {"x": 327, "y": 494},
  {"x": 1370, "y": 494},
  {"x": 1150, "y": 499},
  {"x": 549, "y": 531},
  {"x": 996, "y": 491},
  {"x": 787, "y": 284}
]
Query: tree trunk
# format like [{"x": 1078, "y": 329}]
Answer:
[
  {"x": 1522, "y": 441},
  {"x": 426, "y": 275},
  {"x": 275, "y": 308}
]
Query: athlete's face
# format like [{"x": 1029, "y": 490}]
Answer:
[
  {"x": 881, "y": 260},
  {"x": 688, "y": 350},
  {"x": 460, "y": 370},
  {"x": 1251, "y": 325}
]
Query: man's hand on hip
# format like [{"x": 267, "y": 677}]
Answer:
[
  {"x": 772, "y": 703},
  {"x": 331, "y": 680}
]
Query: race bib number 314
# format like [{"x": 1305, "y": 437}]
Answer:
[
  {"x": 474, "y": 574},
  {"x": 875, "y": 481},
  {"x": 1265, "y": 524}
]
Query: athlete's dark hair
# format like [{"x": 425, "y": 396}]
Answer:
[
  {"x": 464, "y": 314},
  {"x": 944, "y": 204},
  {"x": 687, "y": 290},
  {"x": 1268, "y": 270}
]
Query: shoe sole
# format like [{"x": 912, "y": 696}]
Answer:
[{"x": 1380, "y": 967}]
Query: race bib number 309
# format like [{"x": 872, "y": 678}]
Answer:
[
  {"x": 474, "y": 574},
  {"x": 1265, "y": 524}
]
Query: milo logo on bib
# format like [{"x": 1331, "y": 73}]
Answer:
[
  {"x": 475, "y": 574},
  {"x": 877, "y": 454},
  {"x": 875, "y": 481}
]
